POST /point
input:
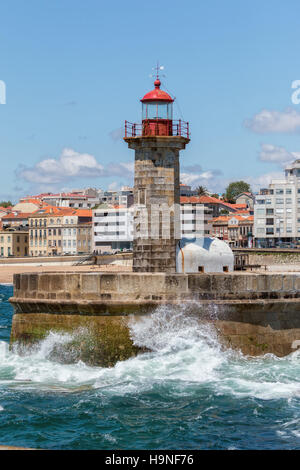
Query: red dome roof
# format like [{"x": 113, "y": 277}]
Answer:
[{"x": 157, "y": 94}]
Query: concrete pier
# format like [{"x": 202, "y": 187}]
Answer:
[{"x": 256, "y": 313}]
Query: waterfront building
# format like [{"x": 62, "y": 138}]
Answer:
[
  {"x": 13, "y": 243},
  {"x": 236, "y": 230},
  {"x": 112, "y": 228},
  {"x": 277, "y": 210},
  {"x": 15, "y": 219},
  {"x": 77, "y": 232},
  {"x": 58, "y": 231},
  {"x": 196, "y": 214}
]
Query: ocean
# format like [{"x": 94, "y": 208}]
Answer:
[{"x": 187, "y": 393}]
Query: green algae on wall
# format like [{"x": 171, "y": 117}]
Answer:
[{"x": 101, "y": 341}]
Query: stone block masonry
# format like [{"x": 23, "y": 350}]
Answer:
[{"x": 157, "y": 202}]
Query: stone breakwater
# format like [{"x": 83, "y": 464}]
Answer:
[{"x": 256, "y": 313}]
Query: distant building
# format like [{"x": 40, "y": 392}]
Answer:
[
  {"x": 27, "y": 207},
  {"x": 196, "y": 214},
  {"x": 71, "y": 200},
  {"x": 277, "y": 210},
  {"x": 248, "y": 199},
  {"x": 77, "y": 233},
  {"x": 124, "y": 197},
  {"x": 112, "y": 228},
  {"x": 15, "y": 219},
  {"x": 59, "y": 231},
  {"x": 13, "y": 243},
  {"x": 186, "y": 190},
  {"x": 236, "y": 230}
]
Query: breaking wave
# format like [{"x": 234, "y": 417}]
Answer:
[{"x": 182, "y": 351}]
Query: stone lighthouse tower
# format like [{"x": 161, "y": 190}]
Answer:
[{"x": 156, "y": 142}]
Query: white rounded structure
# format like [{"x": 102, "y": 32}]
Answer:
[{"x": 206, "y": 255}]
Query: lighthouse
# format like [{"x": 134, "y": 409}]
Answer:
[{"x": 157, "y": 141}]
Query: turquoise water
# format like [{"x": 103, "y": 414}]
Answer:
[{"x": 185, "y": 394}]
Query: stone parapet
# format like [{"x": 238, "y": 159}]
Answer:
[{"x": 132, "y": 287}]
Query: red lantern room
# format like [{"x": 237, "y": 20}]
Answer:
[
  {"x": 157, "y": 112},
  {"x": 157, "y": 117}
]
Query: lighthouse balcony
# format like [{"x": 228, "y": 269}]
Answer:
[{"x": 157, "y": 127}]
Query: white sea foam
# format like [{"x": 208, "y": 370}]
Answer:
[{"x": 183, "y": 352}]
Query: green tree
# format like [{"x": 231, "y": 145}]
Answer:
[
  {"x": 6, "y": 204},
  {"x": 201, "y": 191},
  {"x": 236, "y": 188}
]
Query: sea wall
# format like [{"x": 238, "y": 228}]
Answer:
[
  {"x": 270, "y": 256},
  {"x": 256, "y": 313}
]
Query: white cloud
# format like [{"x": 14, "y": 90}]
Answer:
[
  {"x": 69, "y": 165},
  {"x": 194, "y": 175},
  {"x": 266, "y": 121},
  {"x": 274, "y": 154},
  {"x": 51, "y": 173},
  {"x": 264, "y": 180}
]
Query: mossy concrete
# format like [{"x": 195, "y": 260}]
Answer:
[{"x": 94, "y": 340}]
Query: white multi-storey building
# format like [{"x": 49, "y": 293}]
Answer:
[
  {"x": 72, "y": 200},
  {"x": 277, "y": 210},
  {"x": 113, "y": 228},
  {"x": 195, "y": 220}
]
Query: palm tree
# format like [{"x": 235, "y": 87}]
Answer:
[{"x": 202, "y": 191}]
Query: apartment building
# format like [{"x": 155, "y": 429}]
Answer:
[
  {"x": 186, "y": 190},
  {"x": 15, "y": 219},
  {"x": 112, "y": 228},
  {"x": 71, "y": 200},
  {"x": 277, "y": 210},
  {"x": 77, "y": 233},
  {"x": 248, "y": 199},
  {"x": 195, "y": 218},
  {"x": 13, "y": 243},
  {"x": 58, "y": 231},
  {"x": 236, "y": 230},
  {"x": 124, "y": 197}
]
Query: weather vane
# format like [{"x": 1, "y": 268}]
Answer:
[{"x": 157, "y": 71}]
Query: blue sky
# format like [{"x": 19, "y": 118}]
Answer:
[{"x": 75, "y": 70}]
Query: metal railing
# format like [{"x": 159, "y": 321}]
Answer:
[{"x": 178, "y": 128}]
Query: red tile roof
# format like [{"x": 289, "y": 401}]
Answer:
[
  {"x": 199, "y": 200},
  {"x": 19, "y": 215},
  {"x": 83, "y": 212}
]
